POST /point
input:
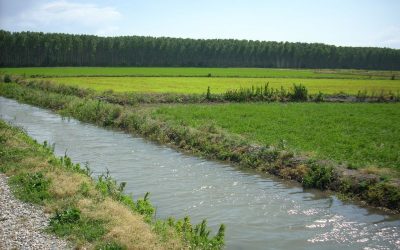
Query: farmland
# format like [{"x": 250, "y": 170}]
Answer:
[
  {"x": 196, "y": 80},
  {"x": 203, "y": 72},
  {"x": 221, "y": 84},
  {"x": 359, "y": 134}
]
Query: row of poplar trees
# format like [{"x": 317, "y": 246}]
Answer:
[{"x": 19, "y": 49}]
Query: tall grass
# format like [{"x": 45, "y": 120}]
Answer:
[{"x": 265, "y": 93}]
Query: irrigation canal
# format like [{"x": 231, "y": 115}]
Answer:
[{"x": 260, "y": 212}]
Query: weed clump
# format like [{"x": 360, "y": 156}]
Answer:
[
  {"x": 70, "y": 215},
  {"x": 71, "y": 222},
  {"x": 318, "y": 177},
  {"x": 199, "y": 235},
  {"x": 319, "y": 97},
  {"x": 208, "y": 95},
  {"x": 31, "y": 187},
  {"x": 299, "y": 94},
  {"x": 384, "y": 194},
  {"x": 7, "y": 78}
]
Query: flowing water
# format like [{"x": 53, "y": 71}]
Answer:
[{"x": 259, "y": 211}]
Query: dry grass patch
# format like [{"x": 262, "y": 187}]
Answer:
[
  {"x": 16, "y": 142},
  {"x": 383, "y": 172},
  {"x": 66, "y": 184},
  {"x": 124, "y": 226},
  {"x": 35, "y": 163}
]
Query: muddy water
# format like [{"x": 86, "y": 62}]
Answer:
[{"x": 260, "y": 212}]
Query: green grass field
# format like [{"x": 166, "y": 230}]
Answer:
[
  {"x": 359, "y": 134},
  {"x": 220, "y": 85},
  {"x": 203, "y": 72}
]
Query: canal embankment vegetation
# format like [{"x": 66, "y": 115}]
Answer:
[
  {"x": 91, "y": 212},
  {"x": 360, "y": 178}
]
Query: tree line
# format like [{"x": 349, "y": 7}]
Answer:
[{"x": 20, "y": 49}]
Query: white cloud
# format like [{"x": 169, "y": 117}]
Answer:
[{"x": 66, "y": 16}]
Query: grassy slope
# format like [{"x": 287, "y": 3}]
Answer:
[
  {"x": 220, "y": 72},
  {"x": 38, "y": 177},
  {"x": 360, "y": 134},
  {"x": 220, "y": 85}
]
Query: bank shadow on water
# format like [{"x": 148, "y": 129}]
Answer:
[{"x": 260, "y": 211}]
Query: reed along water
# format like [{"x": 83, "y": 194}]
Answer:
[{"x": 259, "y": 211}]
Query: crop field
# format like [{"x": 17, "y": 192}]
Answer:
[
  {"x": 202, "y": 72},
  {"x": 363, "y": 135},
  {"x": 222, "y": 84}
]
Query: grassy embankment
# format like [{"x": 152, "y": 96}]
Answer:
[
  {"x": 376, "y": 186},
  {"x": 92, "y": 214}
]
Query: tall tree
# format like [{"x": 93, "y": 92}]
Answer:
[{"x": 21, "y": 49}]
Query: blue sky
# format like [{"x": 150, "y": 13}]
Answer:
[{"x": 340, "y": 22}]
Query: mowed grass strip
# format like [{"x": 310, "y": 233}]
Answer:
[
  {"x": 362, "y": 135},
  {"x": 204, "y": 72},
  {"x": 198, "y": 85}
]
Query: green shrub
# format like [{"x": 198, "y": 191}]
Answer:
[
  {"x": 318, "y": 177},
  {"x": 7, "y": 78},
  {"x": 70, "y": 215},
  {"x": 300, "y": 93},
  {"x": 109, "y": 187},
  {"x": 144, "y": 207},
  {"x": 384, "y": 194},
  {"x": 208, "y": 95},
  {"x": 199, "y": 235},
  {"x": 319, "y": 97},
  {"x": 31, "y": 187},
  {"x": 70, "y": 222}
]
